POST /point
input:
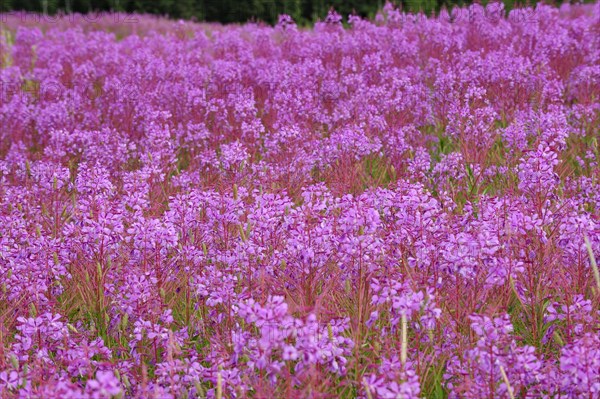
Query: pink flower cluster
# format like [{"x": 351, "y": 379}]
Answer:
[{"x": 404, "y": 207}]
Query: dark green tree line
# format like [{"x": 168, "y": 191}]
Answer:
[{"x": 227, "y": 11}]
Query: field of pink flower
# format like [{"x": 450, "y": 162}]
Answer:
[{"x": 407, "y": 207}]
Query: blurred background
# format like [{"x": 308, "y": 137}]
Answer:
[{"x": 304, "y": 12}]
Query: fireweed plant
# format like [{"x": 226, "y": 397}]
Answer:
[{"x": 407, "y": 207}]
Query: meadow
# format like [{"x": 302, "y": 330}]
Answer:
[{"x": 397, "y": 208}]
